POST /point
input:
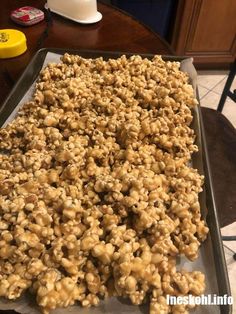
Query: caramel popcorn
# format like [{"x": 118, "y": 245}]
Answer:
[{"x": 97, "y": 195}]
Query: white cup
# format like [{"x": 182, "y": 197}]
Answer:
[
  {"x": 81, "y": 10},
  {"x": 84, "y": 9}
]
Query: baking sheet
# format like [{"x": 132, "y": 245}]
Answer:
[{"x": 205, "y": 262}]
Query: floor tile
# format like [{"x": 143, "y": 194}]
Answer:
[
  {"x": 210, "y": 100},
  {"x": 220, "y": 86},
  {"x": 232, "y": 279},
  {"x": 213, "y": 72},
  {"x": 230, "y": 230},
  {"x": 210, "y": 81},
  {"x": 228, "y": 253},
  {"x": 202, "y": 91}
]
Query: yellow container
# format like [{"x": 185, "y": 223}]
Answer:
[{"x": 12, "y": 43}]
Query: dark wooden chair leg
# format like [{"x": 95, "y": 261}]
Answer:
[{"x": 226, "y": 92}]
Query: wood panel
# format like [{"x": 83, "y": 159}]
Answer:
[
  {"x": 215, "y": 26},
  {"x": 205, "y": 29}
]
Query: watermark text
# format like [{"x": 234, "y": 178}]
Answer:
[{"x": 209, "y": 299}]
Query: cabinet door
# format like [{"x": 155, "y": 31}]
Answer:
[{"x": 206, "y": 30}]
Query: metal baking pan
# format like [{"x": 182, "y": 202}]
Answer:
[{"x": 212, "y": 259}]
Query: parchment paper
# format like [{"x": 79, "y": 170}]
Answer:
[{"x": 205, "y": 263}]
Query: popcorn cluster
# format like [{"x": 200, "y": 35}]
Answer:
[{"x": 97, "y": 197}]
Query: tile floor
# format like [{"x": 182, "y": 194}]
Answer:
[{"x": 210, "y": 85}]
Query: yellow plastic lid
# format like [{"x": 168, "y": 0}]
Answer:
[{"x": 12, "y": 43}]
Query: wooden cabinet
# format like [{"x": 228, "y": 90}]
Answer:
[{"x": 206, "y": 30}]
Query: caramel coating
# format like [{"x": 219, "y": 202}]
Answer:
[{"x": 97, "y": 195}]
